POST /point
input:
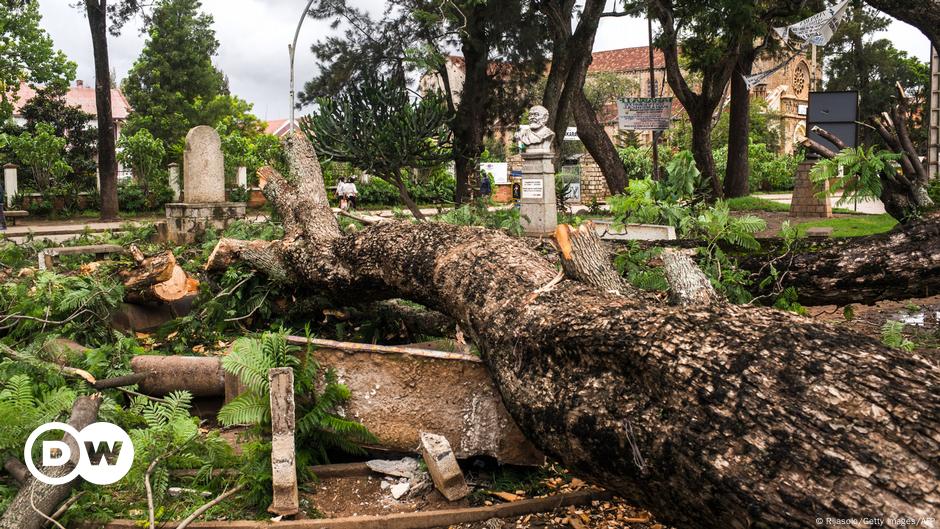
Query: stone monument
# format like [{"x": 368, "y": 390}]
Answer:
[
  {"x": 538, "y": 209},
  {"x": 204, "y": 203}
]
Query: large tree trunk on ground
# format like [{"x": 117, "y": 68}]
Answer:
[
  {"x": 96, "y": 11},
  {"x": 901, "y": 264},
  {"x": 723, "y": 418},
  {"x": 46, "y": 498}
]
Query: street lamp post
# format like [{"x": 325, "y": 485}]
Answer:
[{"x": 292, "y": 48}]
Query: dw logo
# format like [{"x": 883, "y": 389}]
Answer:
[{"x": 106, "y": 453}]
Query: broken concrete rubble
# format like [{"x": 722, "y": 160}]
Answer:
[
  {"x": 443, "y": 467},
  {"x": 396, "y": 394}
]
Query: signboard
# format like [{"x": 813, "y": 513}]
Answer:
[
  {"x": 532, "y": 188},
  {"x": 644, "y": 113},
  {"x": 571, "y": 134},
  {"x": 836, "y": 112},
  {"x": 498, "y": 171}
]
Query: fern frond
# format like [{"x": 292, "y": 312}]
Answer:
[{"x": 248, "y": 408}]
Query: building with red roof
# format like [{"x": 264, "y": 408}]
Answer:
[{"x": 278, "y": 127}]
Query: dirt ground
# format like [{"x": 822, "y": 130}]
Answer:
[
  {"x": 775, "y": 219},
  {"x": 364, "y": 495},
  {"x": 921, "y": 318}
]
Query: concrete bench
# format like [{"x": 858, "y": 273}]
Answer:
[
  {"x": 13, "y": 214},
  {"x": 47, "y": 256}
]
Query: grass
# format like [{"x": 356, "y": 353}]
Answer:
[
  {"x": 753, "y": 203},
  {"x": 756, "y": 203},
  {"x": 854, "y": 226}
]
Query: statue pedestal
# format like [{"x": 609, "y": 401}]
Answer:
[
  {"x": 187, "y": 222},
  {"x": 538, "y": 209}
]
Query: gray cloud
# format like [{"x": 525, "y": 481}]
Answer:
[{"x": 254, "y": 35}]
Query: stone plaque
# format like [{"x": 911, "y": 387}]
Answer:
[{"x": 532, "y": 188}]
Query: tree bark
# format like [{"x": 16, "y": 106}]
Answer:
[
  {"x": 469, "y": 124},
  {"x": 688, "y": 285},
  {"x": 739, "y": 127},
  {"x": 729, "y": 418},
  {"x": 584, "y": 258},
  {"x": 903, "y": 263},
  {"x": 107, "y": 156},
  {"x": 703, "y": 154},
  {"x": 20, "y": 513},
  {"x": 564, "y": 88}
]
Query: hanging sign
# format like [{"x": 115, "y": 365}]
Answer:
[
  {"x": 760, "y": 77},
  {"x": 571, "y": 134},
  {"x": 817, "y": 29},
  {"x": 644, "y": 113}
]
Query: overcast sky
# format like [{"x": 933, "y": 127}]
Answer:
[{"x": 254, "y": 34}]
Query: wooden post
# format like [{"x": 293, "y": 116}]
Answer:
[{"x": 283, "y": 459}]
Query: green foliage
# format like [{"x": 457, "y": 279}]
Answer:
[
  {"x": 477, "y": 214},
  {"x": 636, "y": 162},
  {"x": 27, "y": 53},
  {"x": 24, "y": 407},
  {"x": 769, "y": 171},
  {"x": 43, "y": 152},
  {"x": 892, "y": 336},
  {"x": 376, "y": 126},
  {"x": 604, "y": 89},
  {"x": 319, "y": 428},
  {"x": 857, "y": 61},
  {"x": 77, "y": 306},
  {"x": 173, "y": 72},
  {"x": 71, "y": 122},
  {"x": 165, "y": 433},
  {"x": 144, "y": 154},
  {"x": 633, "y": 264},
  {"x": 855, "y": 172},
  {"x": 134, "y": 198},
  {"x": 788, "y": 300}
]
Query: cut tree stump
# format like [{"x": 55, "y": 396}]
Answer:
[{"x": 283, "y": 456}]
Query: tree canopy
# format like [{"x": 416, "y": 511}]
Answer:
[
  {"x": 855, "y": 61},
  {"x": 173, "y": 73},
  {"x": 27, "y": 54}
]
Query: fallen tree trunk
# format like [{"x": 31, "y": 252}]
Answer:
[
  {"x": 903, "y": 263},
  {"x": 711, "y": 418},
  {"x": 157, "y": 279},
  {"x": 46, "y": 498}
]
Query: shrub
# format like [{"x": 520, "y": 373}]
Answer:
[{"x": 636, "y": 162}]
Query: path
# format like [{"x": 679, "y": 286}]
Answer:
[{"x": 871, "y": 207}]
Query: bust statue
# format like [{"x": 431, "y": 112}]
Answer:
[{"x": 536, "y": 136}]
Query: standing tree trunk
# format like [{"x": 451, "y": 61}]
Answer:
[
  {"x": 471, "y": 118},
  {"x": 564, "y": 88},
  {"x": 97, "y": 11},
  {"x": 702, "y": 152},
  {"x": 733, "y": 417},
  {"x": 739, "y": 128}
]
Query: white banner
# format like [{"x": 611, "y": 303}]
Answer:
[
  {"x": 571, "y": 134},
  {"x": 498, "y": 170},
  {"x": 817, "y": 29},
  {"x": 760, "y": 77}
]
